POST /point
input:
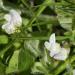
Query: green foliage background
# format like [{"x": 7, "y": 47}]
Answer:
[{"x": 24, "y": 53}]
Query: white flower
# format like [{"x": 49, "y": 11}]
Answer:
[
  {"x": 14, "y": 21},
  {"x": 56, "y": 51}
]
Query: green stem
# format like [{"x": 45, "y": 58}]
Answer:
[
  {"x": 63, "y": 66},
  {"x": 24, "y": 2},
  {"x": 49, "y": 20},
  {"x": 39, "y": 38},
  {"x": 6, "y": 48},
  {"x": 38, "y": 12}
]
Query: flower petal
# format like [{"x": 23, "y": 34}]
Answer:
[
  {"x": 14, "y": 21},
  {"x": 16, "y": 18},
  {"x": 54, "y": 50},
  {"x": 62, "y": 55},
  {"x": 7, "y": 17},
  {"x": 9, "y": 29},
  {"x": 52, "y": 40},
  {"x": 47, "y": 45}
]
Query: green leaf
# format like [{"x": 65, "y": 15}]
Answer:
[
  {"x": 32, "y": 46},
  {"x": 25, "y": 60},
  {"x": 40, "y": 68},
  {"x": 2, "y": 68},
  {"x": 13, "y": 64},
  {"x": 64, "y": 18},
  {"x": 70, "y": 1},
  {"x": 73, "y": 22},
  {"x": 3, "y": 39},
  {"x": 37, "y": 68},
  {"x": 66, "y": 23}
]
